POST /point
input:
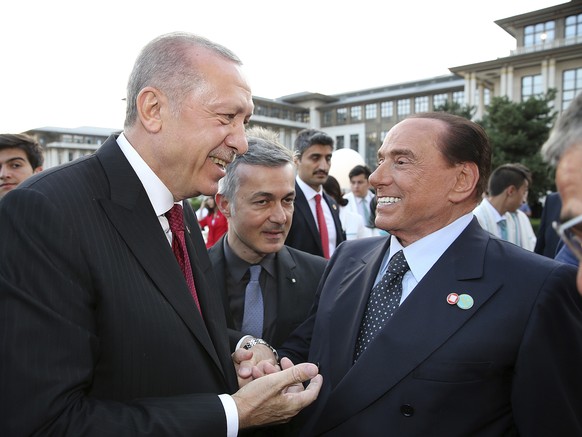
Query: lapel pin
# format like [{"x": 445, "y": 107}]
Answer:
[
  {"x": 334, "y": 206},
  {"x": 293, "y": 280},
  {"x": 465, "y": 302},
  {"x": 188, "y": 229},
  {"x": 452, "y": 298}
]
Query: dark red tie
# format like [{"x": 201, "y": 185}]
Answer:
[
  {"x": 322, "y": 226},
  {"x": 176, "y": 219}
]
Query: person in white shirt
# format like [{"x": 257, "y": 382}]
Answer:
[
  {"x": 360, "y": 197},
  {"x": 499, "y": 211}
]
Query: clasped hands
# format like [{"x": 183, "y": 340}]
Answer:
[{"x": 270, "y": 393}]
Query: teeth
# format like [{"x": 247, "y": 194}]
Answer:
[
  {"x": 388, "y": 200},
  {"x": 218, "y": 161}
]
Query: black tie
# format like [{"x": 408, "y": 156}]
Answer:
[{"x": 383, "y": 301}]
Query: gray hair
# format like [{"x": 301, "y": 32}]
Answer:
[
  {"x": 165, "y": 64},
  {"x": 309, "y": 137},
  {"x": 567, "y": 132},
  {"x": 264, "y": 150}
]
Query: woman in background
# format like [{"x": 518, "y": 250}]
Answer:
[
  {"x": 215, "y": 223},
  {"x": 352, "y": 223}
]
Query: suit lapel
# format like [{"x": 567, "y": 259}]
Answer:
[
  {"x": 421, "y": 325},
  {"x": 302, "y": 206},
  {"x": 130, "y": 211},
  {"x": 286, "y": 293},
  {"x": 333, "y": 207}
]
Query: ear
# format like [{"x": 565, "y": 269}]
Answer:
[
  {"x": 511, "y": 190},
  {"x": 465, "y": 184},
  {"x": 296, "y": 159},
  {"x": 223, "y": 205},
  {"x": 149, "y": 108},
  {"x": 37, "y": 170}
]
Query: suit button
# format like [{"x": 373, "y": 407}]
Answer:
[{"x": 407, "y": 410}]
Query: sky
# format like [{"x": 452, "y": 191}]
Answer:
[{"x": 65, "y": 63}]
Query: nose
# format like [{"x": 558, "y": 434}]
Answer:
[
  {"x": 278, "y": 214},
  {"x": 237, "y": 139},
  {"x": 3, "y": 172}
]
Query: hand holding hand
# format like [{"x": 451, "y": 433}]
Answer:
[
  {"x": 276, "y": 398},
  {"x": 253, "y": 363}
]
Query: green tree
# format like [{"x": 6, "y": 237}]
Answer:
[
  {"x": 455, "y": 108},
  {"x": 517, "y": 131}
]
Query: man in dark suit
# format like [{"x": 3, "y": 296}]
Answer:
[
  {"x": 103, "y": 331},
  {"x": 547, "y": 240},
  {"x": 476, "y": 337},
  {"x": 256, "y": 196},
  {"x": 312, "y": 155}
]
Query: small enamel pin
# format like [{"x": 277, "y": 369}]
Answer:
[{"x": 463, "y": 301}]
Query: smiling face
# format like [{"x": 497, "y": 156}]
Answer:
[
  {"x": 193, "y": 146},
  {"x": 260, "y": 220},
  {"x": 14, "y": 169},
  {"x": 418, "y": 191},
  {"x": 313, "y": 166},
  {"x": 569, "y": 183}
]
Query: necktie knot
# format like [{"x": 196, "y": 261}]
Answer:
[
  {"x": 175, "y": 218},
  {"x": 398, "y": 265},
  {"x": 255, "y": 271},
  {"x": 318, "y": 198}
]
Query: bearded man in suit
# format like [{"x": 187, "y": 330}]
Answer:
[{"x": 104, "y": 331}]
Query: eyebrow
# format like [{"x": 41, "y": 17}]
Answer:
[{"x": 16, "y": 158}]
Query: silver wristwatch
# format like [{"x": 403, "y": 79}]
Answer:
[{"x": 249, "y": 344}]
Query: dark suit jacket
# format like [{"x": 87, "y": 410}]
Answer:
[
  {"x": 303, "y": 234},
  {"x": 99, "y": 334},
  {"x": 298, "y": 274},
  {"x": 508, "y": 365},
  {"x": 547, "y": 239}
]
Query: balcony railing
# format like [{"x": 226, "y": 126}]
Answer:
[{"x": 557, "y": 43}]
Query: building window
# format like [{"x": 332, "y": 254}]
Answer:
[
  {"x": 459, "y": 97},
  {"x": 372, "y": 147},
  {"x": 354, "y": 142},
  {"x": 573, "y": 26},
  {"x": 531, "y": 86},
  {"x": 571, "y": 85},
  {"x": 539, "y": 33},
  {"x": 339, "y": 142},
  {"x": 356, "y": 113},
  {"x": 403, "y": 107},
  {"x": 326, "y": 118},
  {"x": 386, "y": 109},
  {"x": 371, "y": 111},
  {"x": 421, "y": 104},
  {"x": 439, "y": 100},
  {"x": 341, "y": 115}
]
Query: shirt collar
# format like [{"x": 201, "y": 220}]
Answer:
[
  {"x": 424, "y": 253},
  {"x": 307, "y": 190},
  {"x": 238, "y": 267},
  {"x": 492, "y": 211},
  {"x": 160, "y": 197}
]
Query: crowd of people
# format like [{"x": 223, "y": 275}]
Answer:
[{"x": 410, "y": 304}]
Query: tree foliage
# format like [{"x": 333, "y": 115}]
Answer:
[
  {"x": 517, "y": 131},
  {"x": 455, "y": 108}
]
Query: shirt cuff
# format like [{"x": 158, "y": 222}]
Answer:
[
  {"x": 243, "y": 340},
  {"x": 231, "y": 415}
]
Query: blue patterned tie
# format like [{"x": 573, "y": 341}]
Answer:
[
  {"x": 253, "y": 312},
  {"x": 383, "y": 302},
  {"x": 502, "y": 228}
]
